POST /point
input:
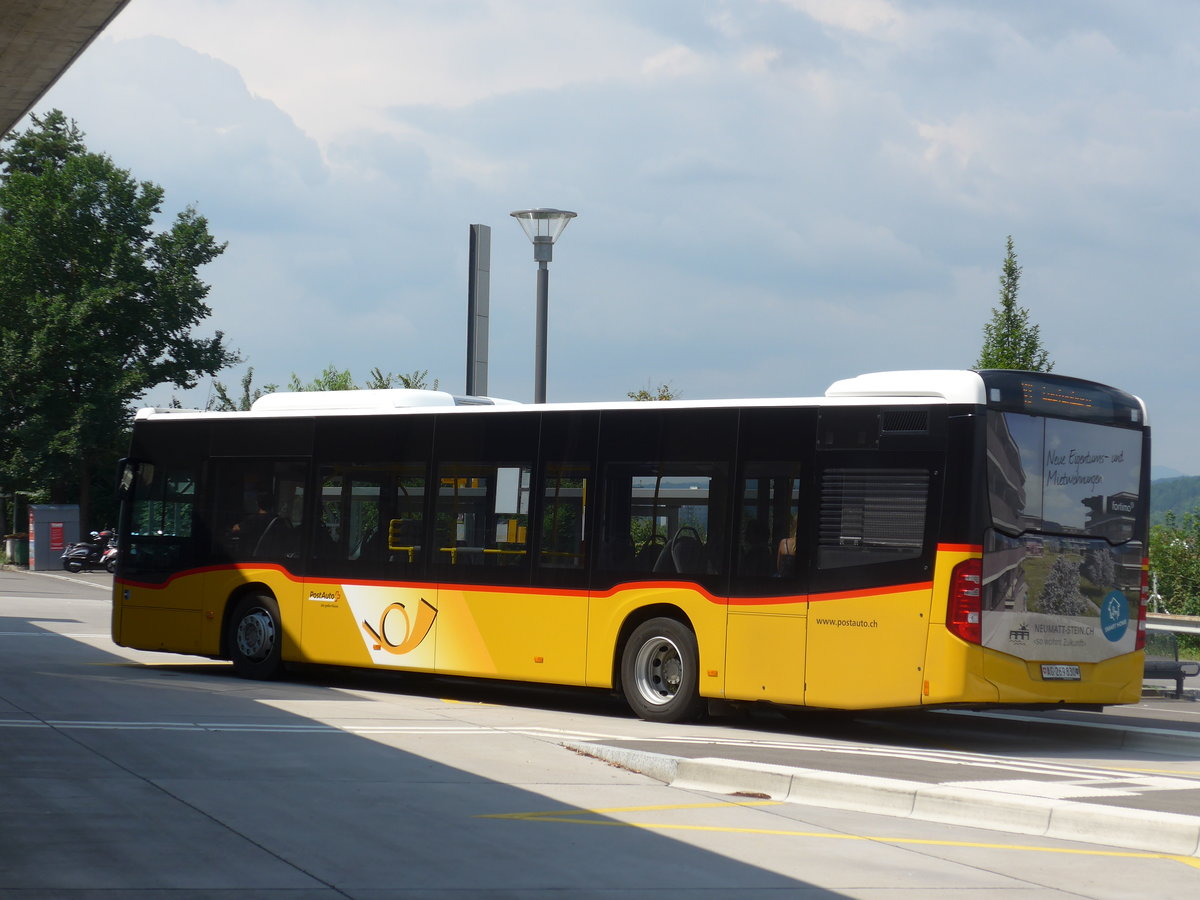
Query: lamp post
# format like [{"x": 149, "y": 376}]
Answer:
[{"x": 543, "y": 227}]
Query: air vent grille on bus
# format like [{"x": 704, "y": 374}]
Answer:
[
  {"x": 905, "y": 421},
  {"x": 871, "y": 515}
]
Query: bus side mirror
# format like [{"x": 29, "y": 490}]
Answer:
[{"x": 128, "y": 471}]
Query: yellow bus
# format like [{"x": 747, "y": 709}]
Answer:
[{"x": 929, "y": 538}]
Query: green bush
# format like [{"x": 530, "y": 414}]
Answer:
[{"x": 1175, "y": 571}]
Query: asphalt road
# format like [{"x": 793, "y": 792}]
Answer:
[{"x": 133, "y": 772}]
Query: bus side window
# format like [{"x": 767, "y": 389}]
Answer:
[
  {"x": 327, "y": 533},
  {"x": 406, "y": 525},
  {"x": 259, "y": 510},
  {"x": 564, "y": 516},
  {"x": 769, "y": 508},
  {"x": 365, "y": 532},
  {"x": 482, "y": 515},
  {"x": 660, "y": 519},
  {"x": 369, "y": 517},
  {"x": 162, "y": 527}
]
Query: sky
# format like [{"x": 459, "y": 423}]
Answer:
[{"x": 771, "y": 194}]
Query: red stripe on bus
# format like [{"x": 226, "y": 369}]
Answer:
[
  {"x": 872, "y": 592},
  {"x": 960, "y": 548},
  {"x": 202, "y": 570},
  {"x": 557, "y": 592},
  {"x": 768, "y": 601}
]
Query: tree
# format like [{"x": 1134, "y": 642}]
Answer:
[
  {"x": 1175, "y": 563},
  {"x": 1175, "y": 568},
  {"x": 1098, "y": 568},
  {"x": 225, "y": 403},
  {"x": 96, "y": 306},
  {"x": 418, "y": 380},
  {"x": 1009, "y": 340},
  {"x": 332, "y": 379},
  {"x": 664, "y": 391},
  {"x": 1061, "y": 595}
]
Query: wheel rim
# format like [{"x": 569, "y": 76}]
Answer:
[
  {"x": 658, "y": 671},
  {"x": 256, "y": 635}
]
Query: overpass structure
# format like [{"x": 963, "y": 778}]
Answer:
[{"x": 39, "y": 39}]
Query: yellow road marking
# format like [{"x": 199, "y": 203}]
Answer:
[
  {"x": 587, "y": 817},
  {"x": 626, "y": 809}
]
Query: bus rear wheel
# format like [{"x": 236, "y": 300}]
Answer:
[
  {"x": 660, "y": 672},
  {"x": 255, "y": 637}
]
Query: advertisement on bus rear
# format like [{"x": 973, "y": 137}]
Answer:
[{"x": 1061, "y": 568}]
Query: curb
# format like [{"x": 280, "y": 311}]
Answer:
[
  {"x": 1068, "y": 820},
  {"x": 1155, "y": 692}
]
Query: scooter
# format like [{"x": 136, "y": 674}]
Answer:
[{"x": 93, "y": 554}]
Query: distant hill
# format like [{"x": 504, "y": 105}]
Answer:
[
  {"x": 1180, "y": 495},
  {"x": 1159, "y": 473}
]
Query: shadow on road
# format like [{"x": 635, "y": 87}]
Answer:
[{"x": 123, "y": 777}]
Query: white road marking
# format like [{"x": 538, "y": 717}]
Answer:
[
  {"x": 1129, "y": 786},
  {"x": 280, "y": 728},
  {"x": 1074, "y": 723}
]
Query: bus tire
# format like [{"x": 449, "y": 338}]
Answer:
[
  {"x": 255, "y": 637},
  {"x": 660, "y": 672}
]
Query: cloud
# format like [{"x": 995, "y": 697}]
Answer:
[
  {"x": 868, "y": 17},
  {"x": 772, "y": 195},
  {"x": 333, "y": 70},
  {"x": 674, "y": 62}
]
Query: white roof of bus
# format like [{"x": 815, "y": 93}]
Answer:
[
  {"x": 936, "y": 385},
  {"x": 394, "y": 398},
  {"x": 951, "y": 385}
]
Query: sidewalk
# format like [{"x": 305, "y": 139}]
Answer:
[
  {"x": 1114, "y": 826},
  {"x": 1131, "y": 802}
]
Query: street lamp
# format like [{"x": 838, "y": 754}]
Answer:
[{"x": 543, "y": 227}]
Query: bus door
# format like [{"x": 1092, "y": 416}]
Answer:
[
  {"x": 873, "y": 545},
  {"x": 495, "y": 617},
  {"x": 768, "y": 609},
  {"x": 493, "y": 622},
  {"x": 366, "y": 602},
  {"x": 256, "y": 509},
  {"x": 161, "y": 539}
]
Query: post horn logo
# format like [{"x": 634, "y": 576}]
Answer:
[{"x": 414, "y": 628}]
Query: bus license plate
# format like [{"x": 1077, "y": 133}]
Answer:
[{"x": 1060, "y": 673}]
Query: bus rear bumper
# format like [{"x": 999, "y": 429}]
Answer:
[{"x": 958, "y": 673}]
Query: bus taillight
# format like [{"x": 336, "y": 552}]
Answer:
[
  {"x": 965, "y": 605},
  {"x": 1139, "y": 642}
]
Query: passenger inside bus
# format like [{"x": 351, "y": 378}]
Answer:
[
  {"x": 785, "y": 559},
  {"x": 251, "y": 528},
  {"x": 756, "y": 556}
]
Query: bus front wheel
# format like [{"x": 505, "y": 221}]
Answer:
[
  {"x": 255, "y": 637},
  {"x": 660, "y": 672}
]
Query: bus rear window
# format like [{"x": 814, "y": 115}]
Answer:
[{"x": 1063, "y": 476}]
